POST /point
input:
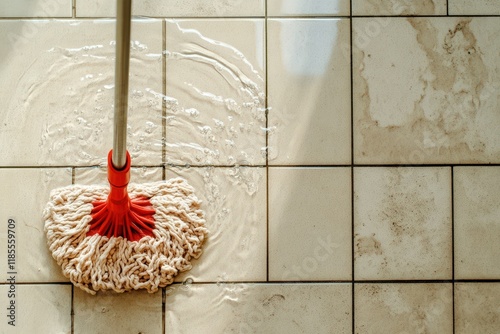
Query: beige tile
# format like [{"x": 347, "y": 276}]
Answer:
[
  {"x": 404, "y": 308},
  {"x": 38, "y": 309},
  {"x": 37, "y": 8},
  {"x": 399, "y": 7},
  {"x": 23, "y": 195},
  {"x": 174, "y": 8},
  {"x": 310, "y": 224},
  {"x": 234, "y": 201},
  {"x": 402, "y": 223},
  {"x": 259, "y": 308},
  {"x": 57, "y": 109},
  {"x": 109, "y": 312},
  {"x": 477, "y": 223},
  {"x": 215, "y": 92},
  {"x": 299, "y": 7},
  {"x": 426, "y": 90},
  {"x": 476, "y": 7},
  {"x": 477, "y": 308},
  {"x": 309, "y": 91}
]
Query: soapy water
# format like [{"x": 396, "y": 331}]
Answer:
[
  {"x": 216, "y": 102},
  {"x": 80, "y": 131},
  {"x": 214, "y": 106}
]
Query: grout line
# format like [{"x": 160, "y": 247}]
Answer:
[
  {"x": 164, "y": 102},
  {"x": 266, "y": 44},
  {"x": 73, "y": 175},
  {"x": 72, "y": 309},
  {"x": 143, "y": 17},
  {"x": 393, "y": 281},
  {"x": 447, "y": 7},
  {"x": 163, "y": 309},
  {"x": 453, "y": 245},
  {"x": 262, "y": 166},
  {"x": 73, "y": 9},
  {"x": 353, "y": 277},
  {"x": 274, "y": 282}
]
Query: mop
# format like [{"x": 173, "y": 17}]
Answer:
[{"x": 125, "y": 236}]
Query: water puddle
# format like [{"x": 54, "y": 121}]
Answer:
[
  {"x": 214, "y": 114},
  {"x": 215, "y": 102}
]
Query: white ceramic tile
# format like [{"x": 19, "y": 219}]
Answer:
[
  {"x": 234, "y": 201},
  {"x": 399, "y": 7},
  {"x": 109, "y": 312},
  {"x": 477, "y": 222},
  {"x": 477, "y": 308},
  {"x": 23, "y": 195},
  {"x": 402, "y": 223},
  {"x": 36, "y": 8},
  {"x": 215, "y": 92},
  {"x": 476, "y": 7},
  {"x": 309, "y": 91},
  {"x": 310, "y": 224},
  {"x": 404, "y": 308},
  {"x": 426, "y": 90},
  {"x": 259, "y": 308},
  {"x": 174, "y": 8},
  {"x": 57, "y": 109},
  {"x": 38, "y": 309},
  {"x": 301, "y": 7}
]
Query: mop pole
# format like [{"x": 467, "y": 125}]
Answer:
[{"x": 123, "y": 17}]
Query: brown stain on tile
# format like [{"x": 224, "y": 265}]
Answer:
[
  {"x": 477, "y": 307},
  {"x": 368, "y": 246},
  {"x": 406, "y": 221},
  {"x": 461, "y": 59},
  {"x": 274, "y": 300},
  {"x": 454, "y": 61},
  {"x": 404, "y": 212},
  {"x": 408, "y": 308},
  {"x": 453, "y": 82},
  {"x": 406, "y": 209}
]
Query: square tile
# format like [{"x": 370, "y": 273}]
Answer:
[
  {"x": 234, "y": 201},
  {"x": 310, "y": 224},
  {"x": 24, "y": 194},
  {"x": 215, "y": 92},
  {"x": 404, "y": 308},
  {"x": 399, "y": 7},
  {"x": 38, "y": 309},
  {"x": 477, "y": 222},
  {"x": 426, "y": 90},
  {"x": 313, "y": 8},
  {"x": 174, "y": 8},
  {"x": 37, "y": 8},
  {"x": 57, "y": 109},
  {"x": 477, "y": 308},
  {"x": 309, "y": 91},
  {"x": 476, "y": 7},
  {"x": 402, "y": 223},
  {"x": 259, "y": 308},
  {"x": 130, "y": 312}
]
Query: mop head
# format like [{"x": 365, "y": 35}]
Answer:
[{"x": 96, "y": 262}]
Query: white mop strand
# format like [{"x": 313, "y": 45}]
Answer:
[{"x": 100, "y": 263}]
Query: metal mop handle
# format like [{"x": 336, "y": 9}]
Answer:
[{"x": 123, "y": 18}]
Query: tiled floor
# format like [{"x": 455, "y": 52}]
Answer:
[{"x": 349, "y": 164}]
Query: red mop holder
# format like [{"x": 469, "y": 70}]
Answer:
[{"x": 119, "y": 215}]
